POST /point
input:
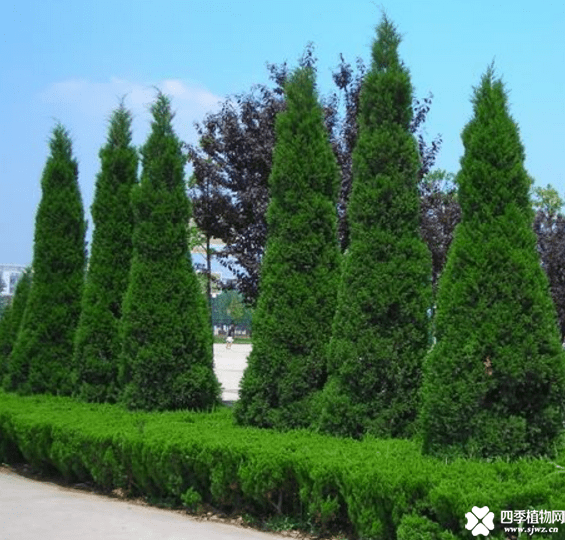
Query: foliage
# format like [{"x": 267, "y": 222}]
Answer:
[
  {"x": 233, "y": 163},
  {"x": 550, "y": 230},
  {"x": 495, "y": 380},
  {"x": 547, "y": 200},
  {"x": 97, "y": 343},
  {"x": 167, "y": 339},
  {"x": 371, "y": 489},
  {"x": 300, "y": 270},
  {"x": 229, "y": 308},
  {"x": 381, "y": 328},
  {"x": 11, "y": 320},
  {"x": 231, "y": 171},
  {"x": 344, "y": 129},
  {"x": 440, "y": 214},
  {"x": 41, "y": 359}
]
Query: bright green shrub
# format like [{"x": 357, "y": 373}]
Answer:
[
  {"x": 167, "y": 337},
  {"x": 371, "y": 489},
  {"x": 41, "y": 359},
  {"x": 495, "y": 380},
  {"x": 97, "y": 344},
  {"x": 299, "y": 273},
  {"x": 414, "y": 527},
  {"x": 191, "y": 499},
  {"x": 381, "y": 328}
]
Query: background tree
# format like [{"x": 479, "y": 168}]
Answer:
[
  {"x": 167, "y": 339},
  {"x": 381, "y": 328},
  {"x": 228, "y": 308},
  {"x": 233, "y": 162},
  {"x": 440, "y": 213},
  {"x": 231, "y": 171},
  {"x": 300, "y": 270},
  {"x": 11, "y": 320},
  {"x": 97, "y": 342},
  {"x": 494, "y": 382},
  {"x": 41, "y": 360},
  {"x": 547, "y": 200},
  {"x": 549, "y": 225}
]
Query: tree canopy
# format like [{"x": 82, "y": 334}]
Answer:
[
  {"x": 97, "y": 341},
  {"x": 381, "y": 328},
  {"x": 297, "y": 297},
  {"x": 41, "y": 359},
  {"x": 494, "y": 383},
  {"x": 166, "y": 360}
]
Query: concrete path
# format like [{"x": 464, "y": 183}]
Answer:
[
  {"x": 33, "y": 510},
  {"x": 229, "y": 365}
]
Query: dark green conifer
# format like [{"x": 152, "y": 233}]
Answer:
[
  {"x": 97, "y": 343},
  {"x": 299, "y": 274},
  {"x": 41, "y": 360},
  {"x": 494, "y": 382},
  {"x": 11, "y": 320},
  {"x": 167, "y": 339},
  {"x": 381, "y": 329}
]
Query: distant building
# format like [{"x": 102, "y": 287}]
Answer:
[{"x": 10, "y": 274}]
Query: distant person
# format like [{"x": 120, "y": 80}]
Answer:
[{"x": 229, "y": 339}]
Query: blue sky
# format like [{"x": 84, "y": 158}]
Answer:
[{"x": 71, "y": 61}]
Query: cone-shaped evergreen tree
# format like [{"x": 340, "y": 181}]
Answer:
[
  {"x": 41, "y": 360},
  {"x": 494, "y": 383},
  {"x": 167, "y": 358},
  {"x": 97, "y": 343},
  {"x": 299, "y": 274},
  {"x": 380, "y": 332},
  {"x": 11, "y": 320}
]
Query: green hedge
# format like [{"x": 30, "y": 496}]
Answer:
[{"x": 374, "y": 489}]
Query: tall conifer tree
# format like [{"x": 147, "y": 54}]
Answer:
[
  {"x": 299, "y": 275},
  {"x": 12, "y": 319},
  {"x": 97, "y": 343},
  {"x": 41, "y": 360},
  {"x": 167, "y": 339},
  {"x": 380, "y": 332},
  {"x": 495, "y": 380}
]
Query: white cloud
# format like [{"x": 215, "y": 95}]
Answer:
[{"x": 82, "y": 101}]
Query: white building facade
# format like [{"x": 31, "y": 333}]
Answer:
[{"x": 10, "y": 275}]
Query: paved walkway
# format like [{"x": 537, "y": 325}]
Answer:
[
  {"x": 229, "y": 365},
  {"x": 33, "y": 510}
]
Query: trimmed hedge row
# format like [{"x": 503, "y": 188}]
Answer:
[{"x": 375, "y": 489}]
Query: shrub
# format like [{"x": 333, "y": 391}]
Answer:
[{"x": 372, "y": 489}]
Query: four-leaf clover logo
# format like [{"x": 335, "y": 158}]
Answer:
[{"x": 479, "y": 521}]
